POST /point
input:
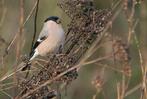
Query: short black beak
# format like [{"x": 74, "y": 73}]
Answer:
[{"x": 59, "y": 21}]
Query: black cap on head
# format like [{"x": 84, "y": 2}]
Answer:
[{"x": 53, "y": 18}]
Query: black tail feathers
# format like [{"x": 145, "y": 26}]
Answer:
[{"x": 26, "y": 67}]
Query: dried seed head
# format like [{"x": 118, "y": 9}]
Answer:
[
  {"x": 127, "y": 70},
  {"x": 120, "y": 51},
  {"x": 98, "y": 82}
]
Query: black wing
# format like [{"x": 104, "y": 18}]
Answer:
[{"x": 36, "y": 45}]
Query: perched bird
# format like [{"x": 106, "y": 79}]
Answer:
[{"x": 50, "y": 40}]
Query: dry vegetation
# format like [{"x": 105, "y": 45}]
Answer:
[{"x": 89, "y": 41}]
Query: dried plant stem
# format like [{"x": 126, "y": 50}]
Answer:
[
  {"x": 143, "y": 69},
  {"x": 121, "y": 87},
  {"x": 133, "y": 90},
  {"x": 97, "y": 91},
  {"x": 131, "y": 19},
  {"x": 116, "y": 4},
  {"x": 118, "y": 91}
]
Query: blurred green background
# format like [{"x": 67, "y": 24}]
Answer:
[{"x": 81, "y": 88}]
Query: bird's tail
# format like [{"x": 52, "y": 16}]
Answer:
[{"x": 27, "y": 66}]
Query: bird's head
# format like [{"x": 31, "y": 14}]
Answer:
[{"x": 53, "y": 18}]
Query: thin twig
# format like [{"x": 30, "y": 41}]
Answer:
[
  {"x": 35, "y": 24},
  {"x": 143, "y": 67},
  {"x": 129, "y": 92},
  {"x": 31, "y": 13},
  {"x": 130, "y": 19}
]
